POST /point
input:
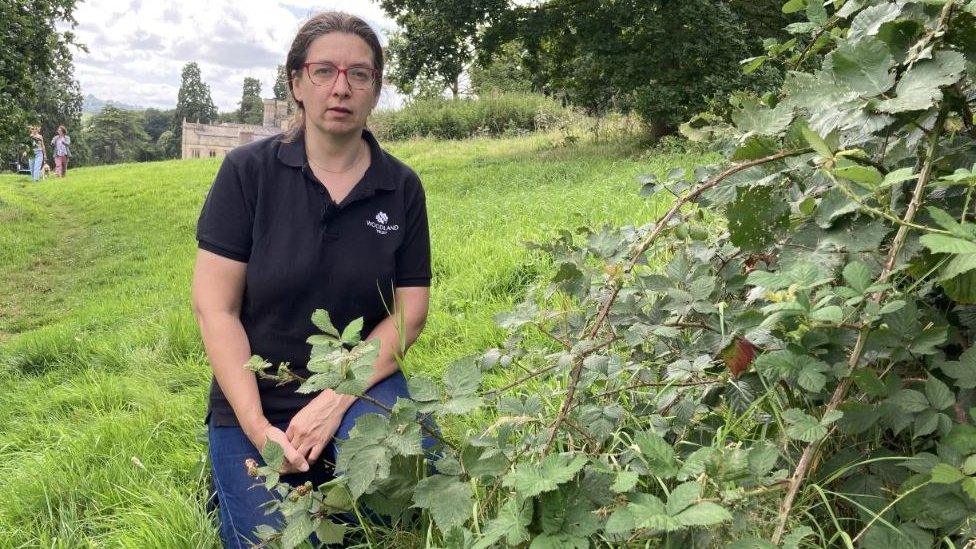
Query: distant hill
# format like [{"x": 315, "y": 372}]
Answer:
[{"x": 93, "y": 105}]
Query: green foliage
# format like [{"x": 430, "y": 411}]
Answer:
[
  {"x": 280, "y": 89},
  {"x": 251, "y": 106},
  {"x": 115, "y": 135},
  {"x": 193, "y": 103},
  {"x": 457, "y": 119},
  {"x": 35, "y": 67},
  {"x": 843, "y": 257}
]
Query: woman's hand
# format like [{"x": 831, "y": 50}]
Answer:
[
  {"x": 294, "y": 462},
  {"x": 313, "y": 426}
]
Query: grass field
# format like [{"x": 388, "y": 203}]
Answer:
[{"x": 103, "y": 374}]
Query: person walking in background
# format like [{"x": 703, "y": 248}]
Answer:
[
  {"x": 60, "y": 144},
  {"x": 37, "y": 160}
]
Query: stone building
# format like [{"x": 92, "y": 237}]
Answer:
[{"x": 216, "y": 140}]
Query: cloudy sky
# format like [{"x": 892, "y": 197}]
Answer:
[{"x": 136, "y": 48}]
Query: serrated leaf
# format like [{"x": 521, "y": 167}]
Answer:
[
  {"x": 863, "y": 66},
  {"x": 833, "y": 204},
  {"x": 273, "y": 454},
  {"x": 329, "y": 532},
  {"x": 755, "y": 217},
  {"x": 939, "y": 395},
  {"x": 447, "y": 499},
  {"x": 625, "y": 482},
  {"x": 703, "y": 514},
  {"x": 830, "y": 313},
  {"x": 322, "y": 321},
  {"x": 762, "y": 459},
  {"x": 351, "y": 335},
  {"x": 802, "y": 426},
  {"x": 461, "y": 379},
  {"x": 868, "y": 22},
  {"x": 658, "y": 454},
  {"x": 910, "y": 400},
  {"x": 512, "y": 523},
  {"x": 942, "y": 244},
  {"x": 683, "y": 496},
  {"x": 297, "y": 531},
  {"x": 620, "y": 521},
  {"x": 944, "y": 473},
  {"x": 530, "y": 479},
  {"x": 920, "y": 86},
  {"x": 857, "y": 275},
  {"x": 898, "y": 176},
  {"x": 959, "y": 264},
  {"x": 867, "y": 177},
  {"x": 816, "y": 142},
  {"x": 892, "y": 307}
]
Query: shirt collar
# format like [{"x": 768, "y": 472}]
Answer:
[{"x": 377, "y": 176}]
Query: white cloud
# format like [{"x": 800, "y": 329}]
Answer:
[{"x": 137, "y": 49}]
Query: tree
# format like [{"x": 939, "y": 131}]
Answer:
[
  {"x": 504, "y": 71},
  {"x": 156, "y": 121},
  {"x": 658, "y": 58},
  {"x": 59, "y": 103},
  {"x": 193, "y": 103},
  {"x": 33, "y": 50},
  {"x": 115, "y": 135},
  {"x": 437, "y": 42},
  {"x": 251, "y": 106},
  {"x": 281, "y": 89}
]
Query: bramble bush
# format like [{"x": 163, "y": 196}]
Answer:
[{"x": 802, "y": 375}]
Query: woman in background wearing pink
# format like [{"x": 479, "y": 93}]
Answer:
[{"x": 61, "y": 152}]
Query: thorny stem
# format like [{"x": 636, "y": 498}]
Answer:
[
  {"x": 636, "y": 255},
  {"x": 805, "y": 464}
]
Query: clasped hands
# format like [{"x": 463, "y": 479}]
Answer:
[{"x": 308, "y": 433}]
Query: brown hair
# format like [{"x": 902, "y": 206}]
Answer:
[
  {"x": 62, "y": 129},
  {"x": 319, "y": 25}
]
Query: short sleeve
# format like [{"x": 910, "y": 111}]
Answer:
[
  {"x": 226, "y": 221},
  {"x": 413, "y": 255}
]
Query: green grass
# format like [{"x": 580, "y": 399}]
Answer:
[{"x": 104, "y": 375}]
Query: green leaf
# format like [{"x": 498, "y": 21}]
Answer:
[
  {"x": 447, "y": 499},
  {"x": 755, "y": 217},
  {"x": 320, "y": 317},
  {"x": 756, "y": 119},
  {"x": 940, "y": 397},
  {"x": 910, "y": 400},
  {"x": 625, "y": 482},
  {"x": 351, "y": 335},
  {"x": 530, "y": 479},
  {"x": 751, "y": 543},
  {"x": 958, "y": 265},
  {"x": 273, "y": 454},
  {"x": 296, "y": 531},
  {"x": 762, "y": 459},
  {"x": 868, "y": 22},
  {"x": 833, "y": 204},
  {"x": 830, "y": 313},
  {"x": 683, "y": 496},
  {"x": 961, "y": 288},
  {"x": 462, "y": 379},
  {"x": 963, "y": 370},
  {"x": 793, "y": 6},
  {"x": 942, "y": 244},
  {"x": 867, "y": 177},
  {"x": 950, "y": 224},
  {"x": 892, "y": 307},
  {"x": 898, "y": 176},
  {"x": 703, "y": 514},
  {"x": 755, "y": 147},
  {"x": 802, "y": 426},
  {"x": 858, "y": 417},
  {"x": 858, "y": 276},
  {"x": 658, "y": 454},
  {"x": 969, "y": 486},
  {"x": 944, "y": 473},
  {"x": 863, "y": 66},
  {"x": 814, "y": 140},
  {"x": 512, "y": 523},
  {"x": 329, "y": 532},
  {"x": 920, "y": 86},
  {"x": 620, "y": 521}
]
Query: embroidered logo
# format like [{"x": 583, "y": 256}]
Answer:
[{"x": 381, "y": 223}]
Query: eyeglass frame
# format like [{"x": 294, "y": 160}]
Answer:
[{"x": 308, "y": 72}]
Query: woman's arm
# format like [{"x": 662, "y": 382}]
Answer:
[
  {"x": 218, "y": 288},
  {"x": 315, "y": 424}
]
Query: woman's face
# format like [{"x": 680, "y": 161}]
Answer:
[{"x": 337, "y": 109}]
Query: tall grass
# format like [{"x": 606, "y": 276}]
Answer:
[
  {"x": 492, "y": 115},
  {"x": 105, "y": 378}
]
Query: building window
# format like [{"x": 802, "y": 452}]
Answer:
[
  {"x": 196, "y": 153},
  {"x": 213, "y": 154}
]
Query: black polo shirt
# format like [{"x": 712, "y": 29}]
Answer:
[{"x": 304, "y": 252}]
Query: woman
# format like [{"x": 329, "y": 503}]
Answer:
[
  {"x": 321, "y": 217},
  {"x": 60, "y": 144},
  {"x": 39, "y": 154}
]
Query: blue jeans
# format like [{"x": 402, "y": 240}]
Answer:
[
  {"x": 35, "y": 165},
  {"x": 240, "y": 497}
]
